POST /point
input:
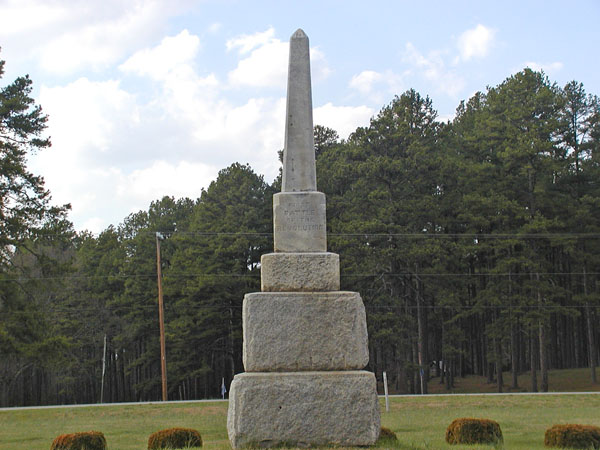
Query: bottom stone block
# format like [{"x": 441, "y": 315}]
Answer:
[{"x": 303, "y": 409}]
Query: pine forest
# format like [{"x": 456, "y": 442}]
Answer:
[{"x": 474, "y": 243}]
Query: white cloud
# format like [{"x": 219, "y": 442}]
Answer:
[
  {"x": 214, "y": 28},
  {"x": 343, "y": 119},
  {"x": 446, "y": 117},
  {"x": 318, "y": 65},
  {"x": 64, "y": 36},
  {"x": 172, "y": 53},
  {"x": 180, "y": 179},
  {"x": 434, "y": 69},
  {"x": 377, "y": 85},
  {"x": 266, "y": 62},
  {"x": 247, "y": 42},
  {"x": 475, "y": 43},
  {"x": 21, "y": 16},
  {"x": 85, "y": 113},
  {"x": 114, "y": 151},
  {"x": 364, "y": 81},
  {"x": 266, "y": 66},
  {"x": 92, "y": 126},
  {"x": 546, "y": 67}
]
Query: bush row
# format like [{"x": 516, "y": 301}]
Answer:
[
  {"x": 461, "y": 431},
  {"x": 485, "y": 431},
  {"x": 170, "y": 438}
]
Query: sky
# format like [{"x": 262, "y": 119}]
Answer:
[{"x": 148, "y": 98}]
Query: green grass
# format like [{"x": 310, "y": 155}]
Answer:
[
  {"x": 125, "y": 427},
  {"x": 419, "y": 422}
]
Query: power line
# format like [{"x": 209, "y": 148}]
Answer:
[
  {"x": 175, "y": 308},
  {"x": 257, "y": 275},
  {"x": 373, "y": 234}
]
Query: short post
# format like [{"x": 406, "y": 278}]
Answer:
[{"x": 385, "y": 390}]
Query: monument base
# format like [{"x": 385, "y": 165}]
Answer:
[
  {"x": 303, "y": 409},
  {"x": 300, "y": 272},
  {"x": 304, "y": 331}
]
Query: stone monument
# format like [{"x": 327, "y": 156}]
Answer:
[{"x": 305, "y": 341}]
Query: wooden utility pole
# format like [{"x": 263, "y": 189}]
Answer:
[{"x": 161, "y": 320}]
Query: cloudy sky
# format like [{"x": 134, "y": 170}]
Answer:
[{"x": 148, "y": 98}]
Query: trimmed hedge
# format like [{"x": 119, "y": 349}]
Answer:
[
  {"x": 572, "y": 436},
  {"x": 174, "y": 438},
  {"x": 88, "y": 440},
  {"x": 473, "y": 431},
  {"x": 385, "y": 434}
]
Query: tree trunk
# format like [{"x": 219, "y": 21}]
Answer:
[
  {"x": 498, "y": 352},
  {"x": 415, "y": 359},
  {"x": 542, "y": 339},
  {"x": 421, "y": 335},
  {"x": 533, "y": 361},
  {"x": 514, "y": 356},
  {"x": 543, "y": 357},
  {"x": 590, "y": 330},
  {"x": 576, "y": 341}
]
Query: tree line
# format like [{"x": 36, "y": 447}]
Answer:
[{"x": 474, "y": 244}]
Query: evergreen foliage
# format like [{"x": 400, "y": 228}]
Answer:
[{"x": 475, "y": 245}]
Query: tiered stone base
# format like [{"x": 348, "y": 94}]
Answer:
[
  {"x": 300, "y": 272},
  {"x": 303, "y": 409},
  {"x": 304, "y": 331}
]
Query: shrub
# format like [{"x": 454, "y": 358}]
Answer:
[
  {"x": 572, "y": 436},
  {"x": 89, "y": 440},
  {"x": 473, "y": 431},
  {"x": 386, "y": 435},
  {"x": 174, "y": 438}
]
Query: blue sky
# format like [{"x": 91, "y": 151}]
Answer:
[{"x": 149, "y": 98}]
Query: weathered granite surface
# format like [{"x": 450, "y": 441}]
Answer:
[
  {"x": 300, "y": 272},
  {"x": 299, "y": 170},
  {"x": 303, "y": 409},
  {"x": 299, "y": 222},
  {"x": 302, "y": 349},
  {"x": 296, "y": 331}
]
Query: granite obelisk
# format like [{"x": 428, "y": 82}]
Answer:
[{"x": 305, "y": 341}]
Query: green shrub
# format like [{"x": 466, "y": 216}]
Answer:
[
  {"x": 473, "y": 431},
  {"x": 572, "y": 436},
  {"x": 385, "y": 434},
  {"x": 174, "y": 438},
  {"x": 89, "y": 440}
]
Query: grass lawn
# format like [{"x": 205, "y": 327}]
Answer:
[{"x": 419, "y": 422}]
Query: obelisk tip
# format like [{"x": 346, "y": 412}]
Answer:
[{"x": 299, "y": 34}]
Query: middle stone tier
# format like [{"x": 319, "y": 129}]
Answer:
[
  {"x": 304, "y": 331},
  {"x": 300, "y": 272}
]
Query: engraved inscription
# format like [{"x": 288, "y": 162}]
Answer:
[{"x": 299, "y": 216}]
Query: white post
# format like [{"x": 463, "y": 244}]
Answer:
[{"x": 385, "y": 390}]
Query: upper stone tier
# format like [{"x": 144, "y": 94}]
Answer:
[
  {"x": 299, "y": 172},
  {"x": 299, "y": 210}
]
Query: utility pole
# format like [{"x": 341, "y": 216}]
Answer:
[{"x": 161, "y": 320}]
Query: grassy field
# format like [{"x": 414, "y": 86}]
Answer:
[
  {"x": 419, "y": 422},
  {"x": 566, "y": 380}
]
